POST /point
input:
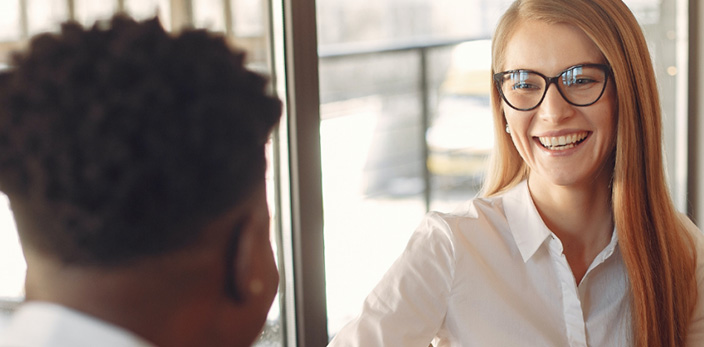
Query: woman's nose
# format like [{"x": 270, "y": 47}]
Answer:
[{"x": 554, "y": 107}]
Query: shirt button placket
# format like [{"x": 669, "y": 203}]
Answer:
[{"x": 571, "y": 303}]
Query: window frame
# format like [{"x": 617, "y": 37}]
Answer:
[
  {"x": 306, "y": 253},
  {"x": 293, "y": 62},
  {"x": 695, "y": 112}
]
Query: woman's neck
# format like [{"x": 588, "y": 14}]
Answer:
[{"x": 580, "y": 216}]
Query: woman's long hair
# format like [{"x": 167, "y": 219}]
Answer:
[{"x": 657, "y": 249}]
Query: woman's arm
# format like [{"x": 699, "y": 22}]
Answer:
[
  {"x": 408, "y": 306},
  {"x": 695, "y": 332}
]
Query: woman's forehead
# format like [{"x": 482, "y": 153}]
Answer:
[{"x": 548, "y": 48}]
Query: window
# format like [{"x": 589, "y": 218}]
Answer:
[
  {"x": 406, "y": 123},
  {"x": 249, "y": 29},
  {"x": 12, "y": 268},
  {"x": 378, "y": 105},
  {"x": 405, "y": 127}
]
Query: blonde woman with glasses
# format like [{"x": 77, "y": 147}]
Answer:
[{"x": 575, "y": 240}]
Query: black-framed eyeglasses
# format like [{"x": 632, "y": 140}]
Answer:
[{"x": 579, "y": 85}]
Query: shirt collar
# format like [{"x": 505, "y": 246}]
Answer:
[
  {"x": 528, "y": 229},
  {"x": 608, "y": 250},
  {"x": 37, "y": 323},
  {"x": 527, "y": 226}
]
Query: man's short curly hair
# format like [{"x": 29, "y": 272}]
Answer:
[{"x": 121, "y": 141}]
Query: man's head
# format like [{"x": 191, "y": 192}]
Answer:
[
  {"x": 122, "y": 143},
  {"x": 119, "y": 143}
]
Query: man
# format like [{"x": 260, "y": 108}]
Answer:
[{"x": 134, "y": 163}]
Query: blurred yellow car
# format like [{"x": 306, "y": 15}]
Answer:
[{"x": 461, "y": 135}]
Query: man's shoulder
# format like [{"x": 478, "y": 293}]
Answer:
[{"x": 43, "y": 324}]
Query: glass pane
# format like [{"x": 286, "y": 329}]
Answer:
[
  {"x": 9, "y": 21},
  {"x": 252, "y": 35},
  {"x": 372, "y": 172},
  {"x": 209, "y": 14},
  {"x": 143, "y": 9},
  {"x": 665, "y": 25},
  {"x": 460, "y": 134},
  {"x": 248, "y": 18},
  {"x": 88, "y": 11},
  {"x": 343, "y": 22},
  {"x": 372, "y": 132},
  {"x": 386, "y": 71},
  {"x": 12, "y": 265},
  {"x": 45, "y": 15}
]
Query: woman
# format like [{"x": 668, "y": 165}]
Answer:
[{"x": 575, "y": 241}]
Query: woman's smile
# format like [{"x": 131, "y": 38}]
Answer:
[{"x": 562, "y": 142}]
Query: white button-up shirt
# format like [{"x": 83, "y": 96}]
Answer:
[
  {"x": 492, "y": 274},
  {"x": 38, "y": 324}
]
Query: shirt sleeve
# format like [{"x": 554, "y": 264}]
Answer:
[
  {"x": 695, "y": 332},
  {"x": 408, "y": 306}
]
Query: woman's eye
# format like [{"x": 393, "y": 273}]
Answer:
[
  {"x": 523, "y": 86},
  {"x": 580, "y": 81}
]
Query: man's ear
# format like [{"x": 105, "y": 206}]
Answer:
[{"x": 240, "y": 260}]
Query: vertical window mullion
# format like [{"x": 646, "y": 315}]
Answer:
[
  {"x": 181, "y": 13},
  {"x": 287, "y": 319},
  {"x": 71, "y": 7},
  {"x": 301, "y": 62},
  {"x": 24, "y": 20},
  {"x": 227, "y": 13},
  {"x": 695, "y": 104}
]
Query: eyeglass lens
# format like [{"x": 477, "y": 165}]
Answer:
[{"x": 581, "y": 85}]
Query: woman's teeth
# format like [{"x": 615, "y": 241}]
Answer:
[{"x": 562, "y": 142}]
